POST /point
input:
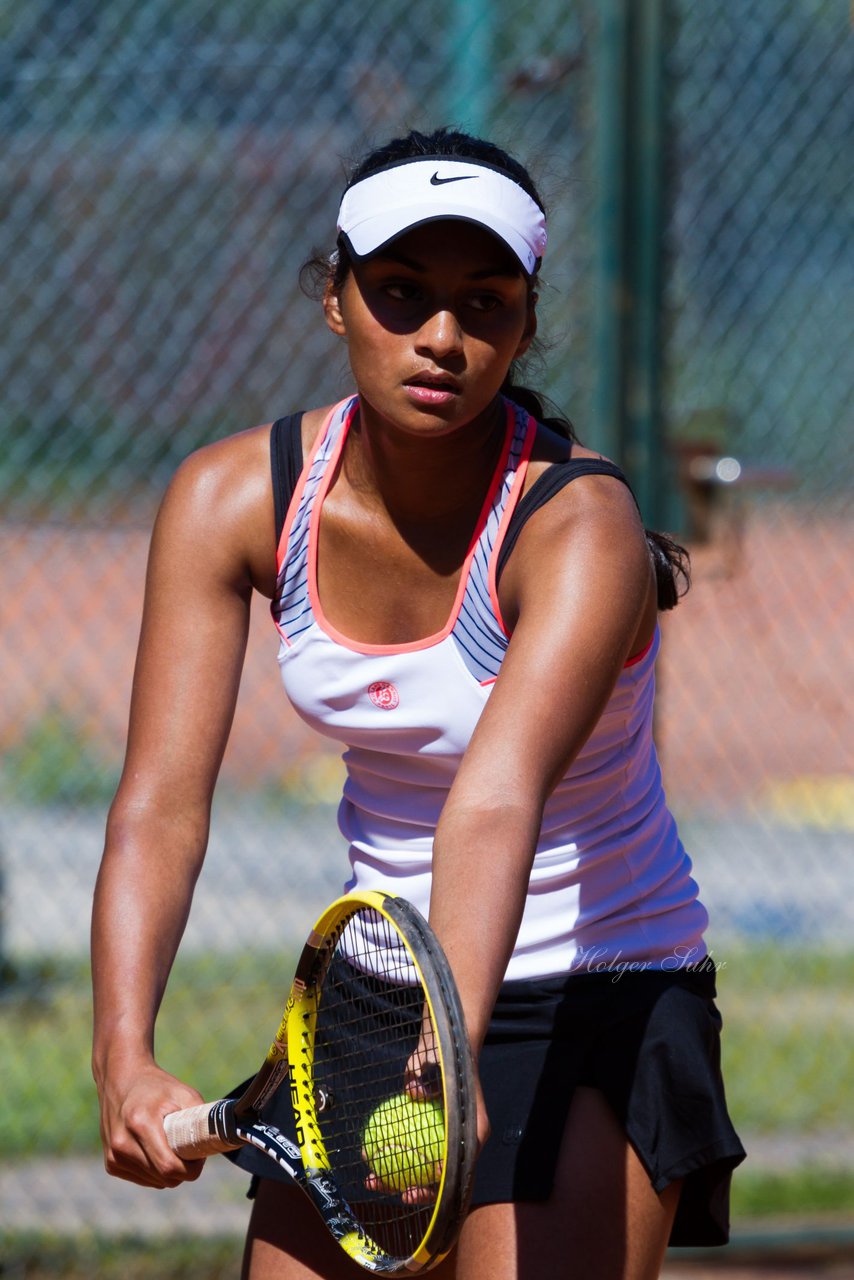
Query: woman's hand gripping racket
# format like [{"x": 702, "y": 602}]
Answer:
[{"x": 381, "y": 1082}]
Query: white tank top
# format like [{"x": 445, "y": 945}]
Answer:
[{"x": 611, "y": 883}]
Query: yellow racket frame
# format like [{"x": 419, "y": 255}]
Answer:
[{"x": 300, "y": 1023}]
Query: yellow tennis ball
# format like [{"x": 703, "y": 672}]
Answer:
[{"x": 403, "y": 1142}]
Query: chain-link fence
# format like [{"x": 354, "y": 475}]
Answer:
[
  {"x": 166, "y": 169},
  {"x": 756, "y": 700}
]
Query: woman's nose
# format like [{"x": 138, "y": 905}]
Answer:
[{"x": 441, "y": 334}]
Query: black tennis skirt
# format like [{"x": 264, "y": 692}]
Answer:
[{"x": 649, "y": 1040}]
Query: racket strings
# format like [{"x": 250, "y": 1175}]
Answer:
[{"x": 375, "y": 1050}]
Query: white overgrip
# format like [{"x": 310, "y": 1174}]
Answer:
[{"x": 188, "y": 1133}]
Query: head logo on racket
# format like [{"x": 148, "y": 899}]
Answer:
[{"x": 384, "y": 695}]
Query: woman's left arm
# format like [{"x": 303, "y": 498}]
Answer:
[{"x": 579, "y": 587}]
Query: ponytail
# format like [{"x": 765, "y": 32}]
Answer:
[{"x": 672, "y": 565}]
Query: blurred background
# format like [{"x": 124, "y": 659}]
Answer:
[{"x": 167, "y": 166}]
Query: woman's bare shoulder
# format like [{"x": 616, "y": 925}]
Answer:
[
  {"x": 221, "y": 498},
  {"x": 222, "y": 456},
  {"x": 551, "y": 447},
  {"x": 236, "y": 468}
]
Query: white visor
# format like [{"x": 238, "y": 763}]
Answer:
[{"x": 381, "y": 207}]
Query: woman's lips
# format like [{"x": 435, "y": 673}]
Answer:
[{"x": 430, "y": 393}]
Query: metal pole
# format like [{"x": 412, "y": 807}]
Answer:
[
  {"x": 472, "y": 69},
  {"x": 610, "y": 90},
  {"x": 644, "y": 454}
]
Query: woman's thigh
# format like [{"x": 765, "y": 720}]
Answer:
[
  {"x": 288, "y": 1241},
  {"x": 602, "y": 1222}
]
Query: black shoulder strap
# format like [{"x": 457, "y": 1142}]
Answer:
[
  {"x": 285, "y": 463},
  {"x": 555, "y": 478}
]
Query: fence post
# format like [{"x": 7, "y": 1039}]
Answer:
[
  {"x": 472, "y": 75},
  {"x": 627, "y": 420},
  {"x": 609, "y": 269},
  {"x": 643, "y": 452}
]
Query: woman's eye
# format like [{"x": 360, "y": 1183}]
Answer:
[
  {"x": 401, "y": 290},
  {"x": 485, "y": 301}
]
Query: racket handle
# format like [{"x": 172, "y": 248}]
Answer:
[{"x": 192, "y": 1133}]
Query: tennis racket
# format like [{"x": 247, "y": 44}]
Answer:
[{"x": 373, "y": 1014}]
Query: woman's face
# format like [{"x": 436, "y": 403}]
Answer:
[{"x": 432, "y": 323}]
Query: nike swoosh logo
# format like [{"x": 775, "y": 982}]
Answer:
[{"x": 436, "y": 181}]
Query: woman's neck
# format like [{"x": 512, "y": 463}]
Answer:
[{"x": 423, "y": 479}]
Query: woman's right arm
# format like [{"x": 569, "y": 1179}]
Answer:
[{"x": 212, "y": 544}]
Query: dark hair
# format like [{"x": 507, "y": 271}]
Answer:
[
  {"x": 671, "y": 562},
  {"x": 449, "y": 144}
]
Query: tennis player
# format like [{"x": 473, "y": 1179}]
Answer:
[{"x": 467, "y": 600}]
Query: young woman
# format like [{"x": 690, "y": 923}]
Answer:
[{"x": 467, "y": 600}]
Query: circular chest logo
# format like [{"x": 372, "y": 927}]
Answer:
[{"x": 383, "y": 694}]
